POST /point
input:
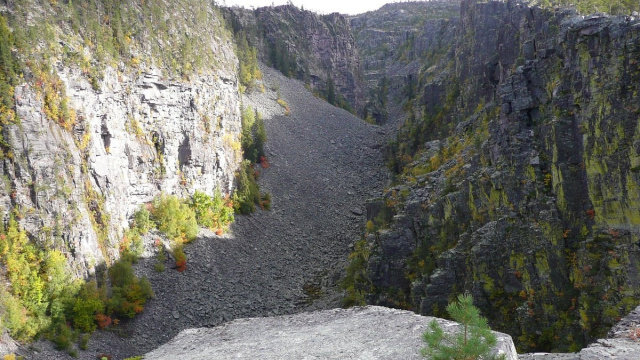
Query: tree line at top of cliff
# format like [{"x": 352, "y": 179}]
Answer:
[{"x": 614, "y": 7}]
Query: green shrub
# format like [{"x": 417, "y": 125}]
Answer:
[
  {"x": 180, "y": 258},
  {"x": 356, "y": 283},
  {"x": 84, "y": 342},
  {"x": 265, "y": 203},
  {"x": 160, "y": 259},
  {"x": 254, "y": 135},
  {"x": 131, "y": 243},
  {"x": 89, "y": 302},
  {"x": 214, "y": 213},
  {"x": 27, "y": 300},
  {"x": 247, "y": 194},
  {"x": 142, "y": 221},
  {"x": 8, "y": 65},
  {"x": 174, "y": 218},
  {"x": 62, "y": 336},
  {"x": 128, "y": 292},
  {"x": 475, "y": 341}
]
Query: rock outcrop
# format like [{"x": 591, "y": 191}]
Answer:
[
  {"x": 621, "y": 343},
  {"x": 139, "y": 131},
  {"x": 394, "y": 42},
  {"x": 370, "y": 332},
  {"x": 517, "y": 171},
  {"x": 316, "y": 49}
]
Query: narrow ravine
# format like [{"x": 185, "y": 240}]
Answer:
[{"x": 324, "y": 164}]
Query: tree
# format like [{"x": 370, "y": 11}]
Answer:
[
  {"x": 331, "y": 91},
  {"x": 474, "y": 342}
]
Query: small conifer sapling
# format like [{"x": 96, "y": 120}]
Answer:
[{"x": 474, "y": 342}]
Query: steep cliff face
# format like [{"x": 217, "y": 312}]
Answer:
[
  {"x": 142, "y": 124},
  {"x": 317, "y": 49},
  {"x": 517, "y": 177},
  {"x": 394, "y": 43}
]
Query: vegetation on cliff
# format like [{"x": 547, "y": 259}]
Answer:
[
  {"x": 317, "y": 50},
  {"x": 43, "y": 43},
  {"x": 614, "y": 7},
  {"x": 516, "y": 159},
  {"x": 42, "y": 298}
]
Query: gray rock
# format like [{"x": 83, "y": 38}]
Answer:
[
  {"x": 135, "y": 137},
  {"x": 370, "y": 332}
]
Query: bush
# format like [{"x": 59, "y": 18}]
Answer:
[
  {"x": 27, "y": 300},
  {"x": 174, "y": 218},
  {"x": 265, "y": 203},
  {"x": 254, "y": 135},
  {"x": 131, "y": 243},
  {"x": 475, "y": 342},
  {"x": 89, "y": 302},
  {"x": 142, "y": 221},
  {"x": 214, "y": 213},
  {"x": 62, "y": 336},
  {"x": 247, "y": 194},
  {"x": 181, "y": 259},
  {"x": 356, "y": 283},
  {"x": 160, "y": 259},
  {"x": 128, "y": 292}
]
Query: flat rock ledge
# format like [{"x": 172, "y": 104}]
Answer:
[
  {"x": 370, "y": 332},
  {"x": 620, "y": 344}
]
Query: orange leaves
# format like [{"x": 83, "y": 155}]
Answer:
[
  {"x": 591, "y": 213},
  {"x": 264, "y": 162},
  {"x": 181, "y": 259},
  {"x": 103, "y": 321},
  {"x": 181, "y": 265}
]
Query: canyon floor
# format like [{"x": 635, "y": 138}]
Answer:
[{"x": 324, "y": 164}]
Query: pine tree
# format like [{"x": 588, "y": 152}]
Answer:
[
  {"x": 331, "y": 91},
  {"x": 474, "y": 342}
]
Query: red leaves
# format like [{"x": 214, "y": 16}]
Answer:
[
  {"x": 591, "y": 213},
  {"x": 264, "y": 162},
  {"x": 103, "y": 321}
]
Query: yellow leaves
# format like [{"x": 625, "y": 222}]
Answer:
[
  {"x": 56, "y": 104},
  {"x": 84, "y": 143}
]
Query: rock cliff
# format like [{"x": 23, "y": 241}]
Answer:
[
  {"x": 141, "y": 128},
  {"x": 317, "y": 49},
  {"x": 394, "y": 42},
  {"x": 517, "y": 176}
]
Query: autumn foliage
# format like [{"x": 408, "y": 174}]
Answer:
[
  {"x": 181, "y": 259},
  {"x": 103, "y": 321}
]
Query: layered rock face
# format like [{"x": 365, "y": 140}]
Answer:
[
  {"x": 393, "y": 43},
  {"x": 317, "y": 49},
  {"x": 143, "y": 132},
  {"x": 518, "y": 177}
]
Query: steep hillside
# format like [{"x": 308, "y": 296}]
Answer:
[
  {"x": 276, "y": 262},
  {"x": 316, "y": 49},
  {"x": 516, "y": 177}
]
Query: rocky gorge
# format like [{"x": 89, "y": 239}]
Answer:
[
  {"x": 511, "y": 167},
  {"x": 514, "y": 175}
]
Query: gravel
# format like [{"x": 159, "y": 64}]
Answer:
[{"x": 324, "y": 164}]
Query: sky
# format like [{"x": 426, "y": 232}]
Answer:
[{"x": 350, "y": 7}]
